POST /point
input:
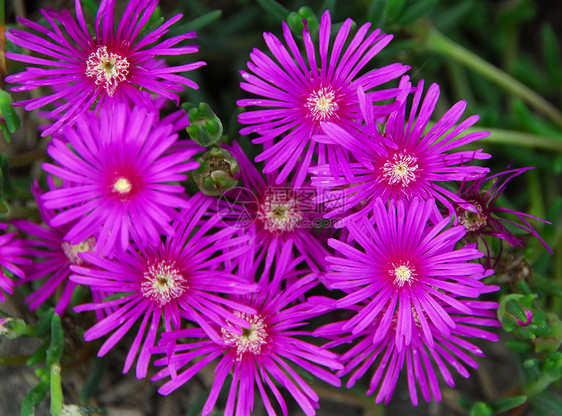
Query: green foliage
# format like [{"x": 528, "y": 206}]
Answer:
[
  {"x": 203, "y": 21},
  {"x": 296, "y": 21},
  {"x": 11, "y": 120},
  {"x": 275, "y": 8}
]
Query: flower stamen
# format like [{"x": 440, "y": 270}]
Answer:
[
  {"x": 322, "y": 104},
  {"x": 163, "y": 282},
  {"x": 71, "y": 251},
  {"x": 402, "y": 274},
  {"x": 401, "y": 169},
  {"x": 279, "y": 212},
  {"x": 122, "y": 186},
  {"x": 472, "y": 221},
  {"x": 252, "y": 339},
  {"x": 109, "y": 69}
]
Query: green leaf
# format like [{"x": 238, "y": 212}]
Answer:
[
  {"x": 551, "y": 50},
  {"x": 297, "y": 21},
  {"x": 508, "y": 403},
  {"x": 39, "y": 355},
  {"x": 375, "y": 14},
  {"x": 5, "y": 131},
  {"x": 54, "y": 352},
  {"x": 7, "y": 111},
  {"x": 548, "y": 403},
  {"x": 553, "y": 365},
  {"x": 34, "y": 398},
  {"x": 393, "y": 9},
  {"x": 274, "y": 8},
  {"x": 91, "y": 7},
  {"x": 416, "y": 10},
  {"x": 480, "y": 409},
  {"x": 44, "y": 324},
  {"x": 519, "y": 345},
  {"x": 203, "y": 21}
]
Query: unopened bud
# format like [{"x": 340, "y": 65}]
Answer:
[
  {"x": 205, "y": 128},
  {"x": 516, "y": 310},
  {"x": 304, "y": 19}
]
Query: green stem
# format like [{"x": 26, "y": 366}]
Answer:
[
  {"x": 435, "y": 41},
  {"x": 56, "y": 390}
]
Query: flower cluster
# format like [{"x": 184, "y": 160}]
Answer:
[{"x": 360, "y": 195}]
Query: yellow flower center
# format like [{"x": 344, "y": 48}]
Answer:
[
  {"x": 402, "y": 274},
  {"x": 122, "y": 186},
  {"x": 322, "y": 104},
  {"x": 400, "y": 170},
  {"x": 72, "y": 251},
  {"x": 252, "y": 339}
]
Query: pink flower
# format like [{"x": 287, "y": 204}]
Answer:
[
  {"x": 261, "y": 356},
  {"x": 295, "y": 96},
  {"x": 404, "y": 260},
  {"x": 401, "y": 161},
  {"x": 165, "y": 282},
  {"x": 274, "y": 214},
  {"x": 420, "y": 360},
  {"x": 52, "y": 256},
  {"x": 479, "y": 213},
  {"x": 101, "y": 71},
  {"x": 118, "y": 178}
]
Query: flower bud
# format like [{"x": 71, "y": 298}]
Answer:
[
  {"x": 304, "y": 19},
  {"x": 205, "y": 128},
  {"x": 13, "y": 327},
  {"x": 516, "y": 310}
]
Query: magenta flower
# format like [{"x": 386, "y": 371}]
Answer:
[
  {"x": 274, "y": 214},
  {"x": 296, "y": 96},
  {"x": 112, "y": 67},
  {"x": 12, "y": 254},
  {"x": 402, "y": 162},
  {"x": 118, "y": 178},
  {"x": 165, "y": 282},
  {"x": 387, "y": 359},
  {"x": 261, "y": 355},
  {"x": 405, "y": 261},
  {"x": 51, "y": 255},
  {"x": 479, "y": 214}
]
